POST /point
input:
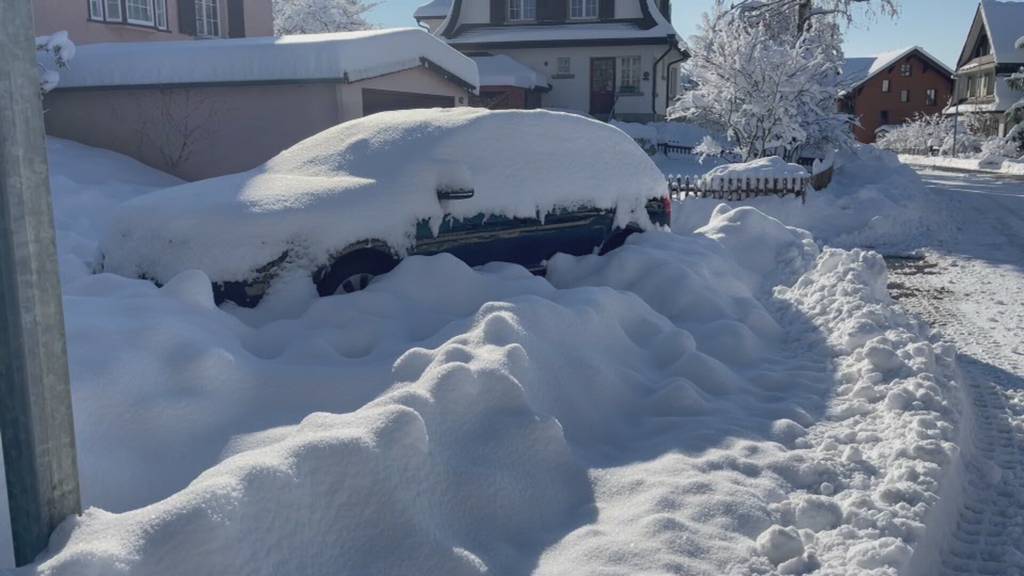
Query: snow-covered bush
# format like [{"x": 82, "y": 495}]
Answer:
[
  {"x": 61, "y": 49},
  {"x": 770, "y": 93},
  {"x": 708, "y": 147},
  {"x": 317, "y": 16},
  {"x": 937, "y": 134}
]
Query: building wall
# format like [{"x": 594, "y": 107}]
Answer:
[
  {"x": 73, "y": 15},
  {"x": 869, "y": 101},
  {"x": 231, "y": 128},
  {"x": 573, "y": 92}
]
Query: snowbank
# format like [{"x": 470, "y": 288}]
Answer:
[
  {"x": 376, "y": 178},
  {"x": 674, "y": 133},
  {"x": 998, "y": 166},
  {"x": 873, "y": 201},
  {"x": 727, "y": 402},
  {"x": 340, "y": 56}
]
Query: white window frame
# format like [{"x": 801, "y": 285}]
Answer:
[
  {"x": 629, "y": 70},
  {"x": 563, "y": 70},
  {"x": 588, "y": 9},
  {"x": 204, "y": 24},
  {"x": 143, "y": 4},
  {"x": 96, "y": 10},
  {"x": 905, "y": 96},
  {"x": 160, "y": 14},
  {"x": 931, "y": 97},
  {"x": 520, "y": 7},
  {"x": 107, "y": 4},
  {"x": 886, "y": 86},
  {"x": 906, "y": 70}
]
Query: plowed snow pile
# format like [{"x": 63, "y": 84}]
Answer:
[{"x": 731, "y": 401}]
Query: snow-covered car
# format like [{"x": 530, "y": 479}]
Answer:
[{"x": 349, "y": 203}]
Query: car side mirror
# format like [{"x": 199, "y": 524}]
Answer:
[{"x": 454, "y": 193}]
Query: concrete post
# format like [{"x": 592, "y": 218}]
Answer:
[{"x": 35, "y": 397}]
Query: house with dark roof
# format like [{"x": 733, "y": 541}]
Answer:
[
  {"x": 608, "y": 58},
  {"x": 988, "y": 58},
  {"x": 886, "y": 90}
]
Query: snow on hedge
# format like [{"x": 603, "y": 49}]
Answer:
[
  {"x": 772, "y": 169},
  {"x": 375, "y": 178},
  {"x": 348, "y": 56}
]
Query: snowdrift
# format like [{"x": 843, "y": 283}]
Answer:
[
  {"x": 375, "y": 178},
  {"x": 733, "y": 401}
]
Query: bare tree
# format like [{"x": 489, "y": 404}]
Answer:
[{"x": 185, "y": 119}]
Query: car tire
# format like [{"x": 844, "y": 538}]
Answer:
[
  {"x": 353, "y": 271},
  {"x": 618, "y": 238}
]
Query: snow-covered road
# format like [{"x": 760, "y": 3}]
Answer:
[{"x": 971, "y": 287}]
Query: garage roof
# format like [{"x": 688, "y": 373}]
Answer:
[{"x": 343, "y": 56}]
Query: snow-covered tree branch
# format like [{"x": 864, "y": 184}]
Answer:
[
  {"x": 804, "y": 11},
  {"x": 61, "y": 49},
  {"x": 769, "y": 93},
  {"x": 316, "y": 16}
]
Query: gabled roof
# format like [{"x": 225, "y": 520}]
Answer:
[
  {"x": 1005, "y": 24},
  {"x": 857, "y": 71},
  {"x": 433, "y": 9},
  {"x": 342, "y": 56},
  {"x": 502, "y": 70}
]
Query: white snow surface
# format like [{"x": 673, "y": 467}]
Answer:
[
  {"x": 1000, "y": 166},
  {"x": 730, "y": 401},
  {"x": 768, "y": 169},
  {"x": 350, "y": 56},
  {"x": 502, "y": 70},
  {"x": 374, "y": 178}
]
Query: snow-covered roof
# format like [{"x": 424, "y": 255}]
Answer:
[
  {"x": 502, "y": 70},
  {"x": 433, "y": 9},
  {"x": 857, "y": 71},
  {"x": 349, "y": 56},
  {"x": 1005, "y": 23},
  {"x": 559, "y": 32},
  {"x": 600, "y": 31},
  {"x": 376, "y": 177}
]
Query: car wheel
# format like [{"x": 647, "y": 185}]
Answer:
[
  {"x": 618, "y": 238},
  {"x": 353, "y": 271}
]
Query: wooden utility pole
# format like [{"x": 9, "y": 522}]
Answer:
[{"x": 35, "y": 396}]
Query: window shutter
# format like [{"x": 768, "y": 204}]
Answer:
[
  {"x": 606, "y": 9},
  {"x": 187, "y": 17},
  {"x": 498, "y": 8},
  {"x": 236, "y": 18},
  {"x": 552, "y": 10}
]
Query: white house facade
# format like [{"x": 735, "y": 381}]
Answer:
[{"x": 608, "y": 58}]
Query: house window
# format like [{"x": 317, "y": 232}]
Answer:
[
  {"x": 885, "y": 86},
  {"x": 95, "y": 9},
  {"x": 884, "y": 117},
  {"x": 904, "y": 96},
  {"x": 583, "y": 9},
  {"x": 988, "y": 85},
  {"x": 207, "y": 18},
  {"x": 972, "y": 87},
  {"x": 140, "y": 12},
  {"x": 114, "y": 11},
  {"x": 564, "y": 66},
  {"x": 629, "y": 79},
  {"x": 929, "y": 97},
  {"x": 905, "y": 69},
  {"x": 522, "y": 10}
]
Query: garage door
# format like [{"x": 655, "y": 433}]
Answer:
[{"x": 380, "y": 100}]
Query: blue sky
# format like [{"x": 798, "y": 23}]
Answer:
[{"x": 940, "y": 26}]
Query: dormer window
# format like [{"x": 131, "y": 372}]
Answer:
[
  {"x": 520, "y": 10},
  {"x": 583, "y": 9}
]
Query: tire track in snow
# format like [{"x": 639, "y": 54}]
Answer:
[{"x": 988, "y": 535}]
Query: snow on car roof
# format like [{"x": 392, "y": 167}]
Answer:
[
  {"x": 857, "y": 71},
  {"x": 502, "y": 70},
  {"x": 375, "y": 178},
  {"x": 1005, "y": 21},
  {"x": 433, "y": 9},
  {"x": 347, "y": 56}
]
